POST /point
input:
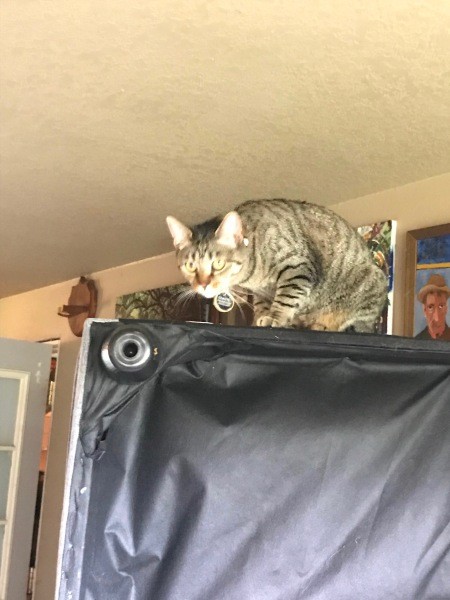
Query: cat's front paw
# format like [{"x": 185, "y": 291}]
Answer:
[{"x": 267, "y": 322}]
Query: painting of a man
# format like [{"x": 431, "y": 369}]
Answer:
[{"x": 434, "y": 298}]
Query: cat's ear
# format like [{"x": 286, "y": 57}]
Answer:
[
  {"x": 229, "y": 232},
  {"x": 181, "y": 234}
]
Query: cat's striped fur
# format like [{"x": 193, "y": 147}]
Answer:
[{"x": 305, "y": 265}]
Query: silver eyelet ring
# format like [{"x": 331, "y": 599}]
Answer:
[{"x": 127, "y": 351}]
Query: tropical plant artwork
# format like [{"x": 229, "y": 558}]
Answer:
[
  {"x": 171, "y": 303},
  {"x": 380, "y": 238}
]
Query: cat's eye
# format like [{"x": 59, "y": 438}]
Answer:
[
  {"x": 218, "y": 264},
  {"x": 190, "y": 267}
]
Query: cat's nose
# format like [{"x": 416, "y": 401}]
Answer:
[{"x": 204, "y": 282}]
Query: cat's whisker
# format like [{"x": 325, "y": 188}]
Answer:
[
  {"x": 184, "y": 297},
  {"x": 240, "y": 301},
  {"x": 181, "y": 296}
]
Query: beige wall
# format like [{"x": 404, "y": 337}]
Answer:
[{"x": 32, "y": 316}]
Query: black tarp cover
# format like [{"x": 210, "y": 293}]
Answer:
[{"x": 259, "y": 464}]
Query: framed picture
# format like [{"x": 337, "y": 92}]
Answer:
[{"x": 428, "y": 283}]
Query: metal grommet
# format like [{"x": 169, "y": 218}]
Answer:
[{"x": 127, "y": 350}]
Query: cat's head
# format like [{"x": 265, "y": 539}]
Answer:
[{"x": 210, "y": 255}]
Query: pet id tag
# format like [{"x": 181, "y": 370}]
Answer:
[{"x": 223, "y": 302}]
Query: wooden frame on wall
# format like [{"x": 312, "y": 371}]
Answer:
[{"x": 412, "y": 242}]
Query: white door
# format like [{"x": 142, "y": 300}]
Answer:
[{"x": 24, "y": 378}]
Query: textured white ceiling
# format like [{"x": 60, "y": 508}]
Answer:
[{"x": 115, "y": 113}]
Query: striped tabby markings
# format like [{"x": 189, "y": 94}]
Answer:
[{"x": 331, "y": 321}]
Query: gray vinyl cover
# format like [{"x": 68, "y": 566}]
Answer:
[{"x": 257, "y": 464}]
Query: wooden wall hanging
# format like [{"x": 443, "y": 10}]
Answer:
[{"x": 82, "y": 305}]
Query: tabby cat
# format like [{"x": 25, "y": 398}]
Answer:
[{"x": 305, "y": 266}]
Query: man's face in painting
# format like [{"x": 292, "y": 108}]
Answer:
[{"x": 435, "y": 310}]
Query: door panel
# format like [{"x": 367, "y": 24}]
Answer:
[
  {"x": 24, "y": 369},
  {"x": 9, "y": 391},
  {"x": 5, "y": 471}
]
